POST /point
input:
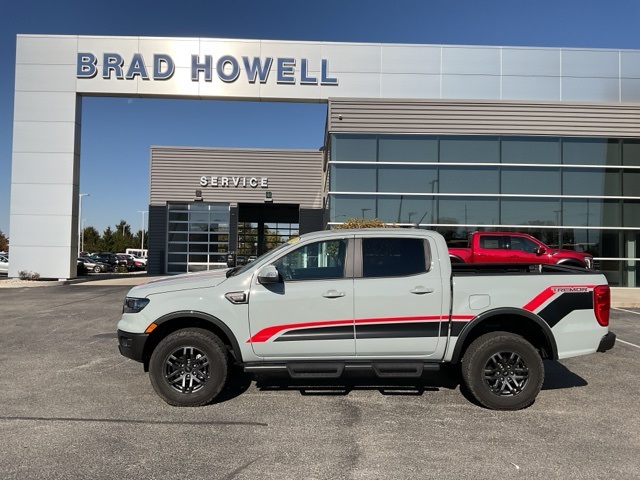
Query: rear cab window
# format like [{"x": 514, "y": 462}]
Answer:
[{"x": 394, "y": 257}]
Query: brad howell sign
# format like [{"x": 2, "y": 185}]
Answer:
[
  {"x": 237, "y": 182},
  {"x": 228, "y": 69}
]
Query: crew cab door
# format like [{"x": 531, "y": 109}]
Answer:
[
  {"x": 398, "y": 297},
  {"x": 309, "y": 312}
]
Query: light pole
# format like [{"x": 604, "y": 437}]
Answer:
[
  {"x": 80, "y": 222},
  {"x": 142, "y": 242},
  {"x": 82, "y": 235}
]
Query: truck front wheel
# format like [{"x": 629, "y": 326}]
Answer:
[
  {"x": 503, "y": 371},
  {"x": 189, "y": 367}
]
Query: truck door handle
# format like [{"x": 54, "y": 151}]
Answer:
[
  {"x": 333, "y": 294},
  {"x": 421, "y": 290}
]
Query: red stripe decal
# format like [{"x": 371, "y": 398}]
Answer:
[
  {"x": 549, "y": 292},
  {"x": 266, "y": 333}
]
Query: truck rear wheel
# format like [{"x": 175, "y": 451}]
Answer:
[
  {"x": 189, "y": 368},
  {"x": 503, "y": 371}
]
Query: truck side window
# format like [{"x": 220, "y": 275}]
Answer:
[
  {"x": 316, "y": 261},
  {"x": 492, "y": 242},
  {"x": 524, "y": 244},
  {"x": 393, "y": 257}
]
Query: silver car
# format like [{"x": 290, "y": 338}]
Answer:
[{"x": 4, "y": 264}]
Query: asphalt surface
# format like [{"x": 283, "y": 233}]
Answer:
[{"x": 72, "y": 407}]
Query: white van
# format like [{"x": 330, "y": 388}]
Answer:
[{"x": 137, "y": 252}]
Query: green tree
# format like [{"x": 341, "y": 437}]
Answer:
[
  {"x": 106, "y": 241},
  {"x": 91, "y": 239},
  {"x": 4, "y": 242}
]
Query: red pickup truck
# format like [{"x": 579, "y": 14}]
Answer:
[{"x": 510, "y": 247}]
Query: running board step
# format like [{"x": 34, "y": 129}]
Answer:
[
  {"x": 315, "y": 370},
  {"x": 401, "y": 369}
]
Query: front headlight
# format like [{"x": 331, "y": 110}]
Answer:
[{"x": 134, "y": 305}]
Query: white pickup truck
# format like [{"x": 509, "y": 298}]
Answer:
[{"x": 384, "y": 300}]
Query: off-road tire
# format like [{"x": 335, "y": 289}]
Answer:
[
  {"x": 503, "y": 371},
  {"x": 189, "y": 368}
]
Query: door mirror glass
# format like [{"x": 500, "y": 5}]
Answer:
[{"x": 268, "y": 274}]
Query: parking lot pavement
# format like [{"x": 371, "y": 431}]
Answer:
[{"x": 72, "y": 407}]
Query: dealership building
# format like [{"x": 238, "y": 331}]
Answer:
[{"x": 452, "y": 138}]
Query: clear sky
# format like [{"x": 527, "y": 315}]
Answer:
[{"x": 117, "y": 132}]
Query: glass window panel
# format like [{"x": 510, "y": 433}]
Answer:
[
  {"x": 590, "y": 151},
  {"x": 199, "y": 217},
  {"x": 470, "y": 149},
  {"x": 218, "y": 238},
  {"x": 631, "y": 183},
  {"x": 343, "y": 207},
  {"x": 198, "y": 248},
  {"x": 218, "y": 247},
  {"x": 354, "y": 148},
  {"x": 178, "y": 227},
  {"x": 179, "y": 216},
  {"x": 392, "y": 257},
  {"x": 529, "y": 180},
  {"x": 407, "y": 149},
  {"x": 590, "y": 182},
  {"x": 530, "y": 211},
  {"x": 407, "y": 178},
  {"x": 178, "y": 237},
  {"x": 631, "y": 209},
  {"x": 178, "y": 206},
  {"x": 591, "y": 212},
  {"x": 406, "y": 209},
  {"x": 353, "y": 178},
  {"x": 176, "y": 268},
  {"x": 468, "y": 211},
  {"x": 218, "y": 257},
  {"x": 198, "y": 237},
  {"x": 534, "y": 150},
  {"x": 173, "y": 258},
  {"x": 198, "y": 258},
  {"x": 198, "y": 207},
  {"x": 631, "y": 152},
  {"x": 177, "y": 247},
  {"x": 198, "y": 227},
  {"x": 474, "y": 179}
]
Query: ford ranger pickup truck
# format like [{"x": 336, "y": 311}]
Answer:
[
  {"x": 381, "y": 300},
  {"x": 510, "y": 247}
]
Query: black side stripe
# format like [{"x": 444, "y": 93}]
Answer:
[
  {"x": 564, "y": 305},
  {"x": 371, "y": 331}
]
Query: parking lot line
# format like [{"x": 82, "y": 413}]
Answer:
[{"x": 627, "y": 343}]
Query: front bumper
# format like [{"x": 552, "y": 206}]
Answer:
[
  {"x": 131, "y": 345},
  {"x": 607, "y": 342}
]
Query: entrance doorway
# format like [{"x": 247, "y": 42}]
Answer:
[{"x": 263, "y": 226}]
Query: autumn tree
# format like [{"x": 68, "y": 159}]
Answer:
[{"x": 4, "y": 242}]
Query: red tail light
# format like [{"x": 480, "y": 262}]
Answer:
[{"x": 602, "y": 304}]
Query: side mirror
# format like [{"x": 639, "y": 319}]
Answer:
[
  {"x": 541, "y": 251},
  {"x": 268, "y": 274}
]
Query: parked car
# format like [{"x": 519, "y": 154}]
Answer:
[
  {"x": 4, "y": 264},
  {"x": 139, "y": 263},
  {"x": 95, "y": 266},
  {"x": 114, "y": 260},
  {"x": 511, "y": 247}
]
